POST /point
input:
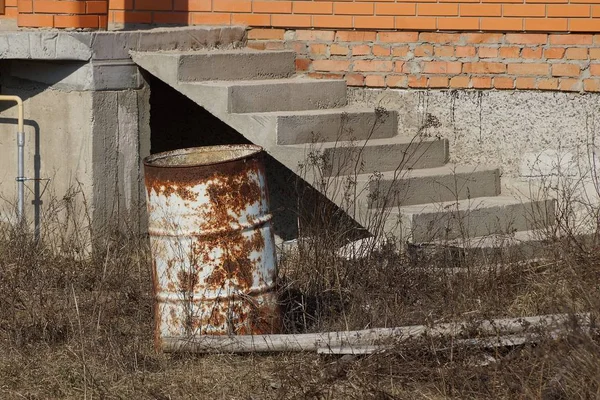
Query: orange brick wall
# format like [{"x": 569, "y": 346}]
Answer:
[
  {"x": 463, "y": 15},
  {"x": 565, "y": 62},
  {"x": 62, "y": 13},
  {"x": 421, "y": 15}
]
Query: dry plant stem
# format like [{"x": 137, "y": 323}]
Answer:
[{"x": 314, "y": 341}]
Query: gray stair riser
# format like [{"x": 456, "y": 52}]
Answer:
[
  {"x": 221, "y": 66},
  {"x": 338, "y": 126},
  {"x": 480, "y": 221},
  {"x": 405, "y": 191},
  {"x": 373, "y": 158},
  {"x": 287, "y": 96}
]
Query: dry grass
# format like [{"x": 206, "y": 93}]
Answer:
[{"x": 82, "y": 327}]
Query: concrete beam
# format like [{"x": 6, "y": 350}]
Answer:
[{"x": 85, "y": 46}]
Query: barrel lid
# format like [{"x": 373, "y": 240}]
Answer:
[{"x": 199, "y": 156}]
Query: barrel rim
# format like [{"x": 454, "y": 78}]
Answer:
[{"x": 150, "y": 160}]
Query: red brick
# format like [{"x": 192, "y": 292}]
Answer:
[
  {"x": 417, "y": 23},
  {"x": 571, "y": 85},
  {"x": 504, "y": 82},
  {"x": 526, "y": 38},
  {"x": 211, "y": 18},
  {"x": 595, "y": 54},
  {"x": 221, "y": 5},
  {"x": 554, "y": 53},
  {"x": 332, "y": 21},
  {"x": 76, "y": 21},
  {"x": 399, "y": 81},
  {"x": 361, "y": 50},
  {"x": 303, "y": 64},
  {"x": 531, "y": 52},
  {"x": 381, "y": 51},
  {"x": 442, "y": 67},
  {"x": 378, "y": 22},
  {"x": 271, "y": 7},
  {"x": 488, "y": 52},
  {"x": 510, "y": 52},
  {"x": 312, "y": 7},
  {"x": 100, "y": 7},
  {"x": 548, "y": 84},
  {"x": 355, "y": 80},
  {"x": 443, "y": 51},
  {"x": 481, "y": 82},
  {"x": 400, "y": 51},
  {"x": 484, "y": 68},
  {"x": 546, "y": 24},
  {"x": 355, "y": 36},
  {"x": 398, "y": 37},
  {"x": 289, "y": 21},
  {"x": 250, "y": 19},
  {"x": 571, "y": 39},
  {"x": 482, "y": 38},
  {"x": 501, "y": 24},
  {"x": 438, "y": 82},
  {"x": 525, "y": 83},
  {"x": 313, "y": 35},
  {"x": 528, "y": 69},
  {"x": 417, "y": 82},
  {"x": 375, "y": 81},
  {"x": 437, "y": 37},
  {"x": 591, "y": 85},
  {"x": 568, "y": 10},
  {"x": 35, "y": 20},
  {"x": 59, "y": 7},
  {"x": 318, "y": 48},
  {"x": 265, "y": 34},
  {"x": 352, "y": 8},
  {"x": 372, "y": 66},
  {"x": 595, "y": 69},
  {"x": 460, "y": 82},
  {"x": 395, "y": 9},
  {"x": 576, "y": 53},
  {"x": 481, "y": 10},
  {"x": 423, "y": 50},
  {"x": 338, "y": 50},
  {"x": 331, "y": 65},
  {"x": 437, "y": 9},
  {"x": 465, "y": 51},
  {"x": 181, "y": 18},
  {"x": 524, "y": 10},
  {"x": 462, "y": 23},
  {"x": 565, "y": 70}
]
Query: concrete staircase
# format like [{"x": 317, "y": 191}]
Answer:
[{"x": 352, "y": 155}]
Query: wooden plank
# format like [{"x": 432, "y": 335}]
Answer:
[{"x": 315, "y": 341}]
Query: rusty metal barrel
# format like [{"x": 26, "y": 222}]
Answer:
[{"x": 213, "y": 251}]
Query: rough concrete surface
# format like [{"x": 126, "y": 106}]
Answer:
[
  {"x": 87, "y": 143},
  {"x": 503, "y": 128},
  {"x": 55, "y": 44}
]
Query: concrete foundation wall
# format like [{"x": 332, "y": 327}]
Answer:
[
  {"x": 81, "y": 145},
  {"x": 516, "y": 130}
]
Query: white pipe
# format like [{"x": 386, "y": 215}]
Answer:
[{"x": 20, "y": 155}]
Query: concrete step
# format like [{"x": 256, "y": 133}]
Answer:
[
  {"x": 332, "y": 125},
  {"x": 235, "y": 64},
  {"x": 478, "y": 217},
  {"x": 216, "y": 65},
  {"x": 431, "y": 185},
  {"x": 293, "y": 94},
  {"x": 336, "y": 159}
]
